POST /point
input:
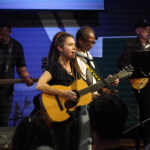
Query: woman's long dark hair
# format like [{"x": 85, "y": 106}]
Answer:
[{"x": 59, "y": 40}]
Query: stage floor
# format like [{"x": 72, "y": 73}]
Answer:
[
  {"x": 130, "y": 144},
  {"x": 6, "y": 134}
]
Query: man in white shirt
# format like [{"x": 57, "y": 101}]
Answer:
[{"x": 85, "y": 40}]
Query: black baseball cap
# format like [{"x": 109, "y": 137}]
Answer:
[{"x": 142, "y": 23}]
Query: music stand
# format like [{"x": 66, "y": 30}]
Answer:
[{"x": 140, "y": 60}]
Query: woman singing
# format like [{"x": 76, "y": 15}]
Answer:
[{"x": 62, "y": 69}]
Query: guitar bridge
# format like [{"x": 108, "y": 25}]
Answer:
[{"x": 59, "y": 103}]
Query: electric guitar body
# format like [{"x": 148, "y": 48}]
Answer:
[{"x": 139, "y": 83}]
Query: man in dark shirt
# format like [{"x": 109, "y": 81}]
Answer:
[
  {"x": 11, "y": 55},
  {"x": 141, "y": 43}
]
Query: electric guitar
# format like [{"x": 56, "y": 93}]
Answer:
[
  {"x": 58, "y": 109},
  {"x": 12, "y": 81},
  {"x": 139, "y": 83}
]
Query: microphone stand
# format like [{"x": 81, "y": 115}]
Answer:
[
  {"x": 140, "y": 123},
  {"x": 88, "y": 62},
  {"x": 121, "y": 99},
  {"x": 114, "y": 92}
]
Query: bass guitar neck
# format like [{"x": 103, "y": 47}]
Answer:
[{"x": 13, "y": 81}]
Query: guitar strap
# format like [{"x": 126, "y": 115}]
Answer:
[
  {"x": 9, "y": 54},
  {"x": 95, "y": 74},
  {"x": 90, "y": 73},
  {"x": 91, "y": 70}
]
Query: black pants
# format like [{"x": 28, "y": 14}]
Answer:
[
  {"x": 66, "y": 134},
  {"x": 143, "y": 100},
  {"x": 5, "y": 109}
]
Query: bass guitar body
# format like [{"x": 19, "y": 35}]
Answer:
[{"x": 139, "y": 83}]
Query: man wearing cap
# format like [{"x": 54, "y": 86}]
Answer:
[{"x": 141, "y": 43}]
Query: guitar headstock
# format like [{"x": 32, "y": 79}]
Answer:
[{"x": 126, "y": 72}]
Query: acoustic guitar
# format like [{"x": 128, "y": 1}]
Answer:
[
  {"x": 139, "y": 83},
  {"x": 13, "y": 81},
  {"x": 59, "y": 109}
]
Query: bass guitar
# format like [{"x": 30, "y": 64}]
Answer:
[
  {"x": 12, "y": 81},
  {"x": 58, "y": 109}
]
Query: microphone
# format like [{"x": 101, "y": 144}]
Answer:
[
  {"x": 148, "y": 45},
  {"x": 79, "y": 54},
  {"x": 82, "y": 55}
]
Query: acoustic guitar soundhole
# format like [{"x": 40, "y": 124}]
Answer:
[{"x": 69, "y": 103}]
